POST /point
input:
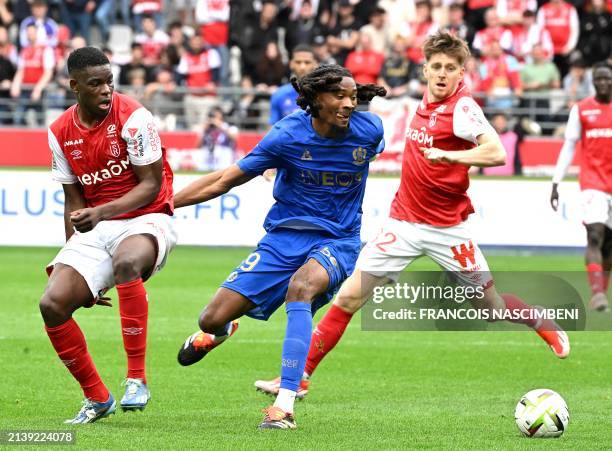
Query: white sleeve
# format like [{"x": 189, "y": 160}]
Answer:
[
  {"x": 140, "y": 133},
  {"x": 502, "y": 8},
  {"x": 60, "y": 169},
  {"x": 48, "y": 58},
  {"x": 469, "y": 122},
  {"x": 182, "y": 67},
  {"x": 573, "y": 130},
  {"x": 572, "y": 135},
  {"x": 214, "y": 60},
  {"x": 574, "y": 31}
]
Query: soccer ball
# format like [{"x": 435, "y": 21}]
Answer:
[{"x": 541, "y": 413}]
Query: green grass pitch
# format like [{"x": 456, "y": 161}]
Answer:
[{"x": 376, "y": 390}]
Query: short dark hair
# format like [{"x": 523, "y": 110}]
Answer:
[
  {"x": 602, "y": 65},
  {"x": 326, "y": 79},
  {"x": 302, "y": 48},
  {"x": 86, "y": 57}
]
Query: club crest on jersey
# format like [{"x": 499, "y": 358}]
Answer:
[
  {"x": 114, "y": 149},
  {"x": 359, "y": 156},
  {"x": 306, "y": 156},
  {"x": 432, "y": 119}
]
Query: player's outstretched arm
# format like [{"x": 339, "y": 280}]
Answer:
[
  {"x": 573, "y": 133},
  {"x": 489, "y": 152},
  {"x": 73, "y": 200},
  {"x": 211, "y": 185},
  {"x": 150, "y": 178}
]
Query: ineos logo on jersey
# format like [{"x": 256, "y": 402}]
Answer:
[{"x": 113, "y": 169}]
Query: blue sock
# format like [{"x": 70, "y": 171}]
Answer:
[{"x": 295, "y": 346}]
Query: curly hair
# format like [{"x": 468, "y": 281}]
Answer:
[
  {"x": 86, "y": 57},
  {"x": 326, "y": 79}
]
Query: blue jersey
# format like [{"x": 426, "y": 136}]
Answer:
[
  {"x": 283, "y": 103},
  {"x": 320, "y": 181}
]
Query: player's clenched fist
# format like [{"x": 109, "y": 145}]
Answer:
[
  {"x": 85, "y": 219},
  {"x": 434, "y": 155}
]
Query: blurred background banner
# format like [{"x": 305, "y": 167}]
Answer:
[{"x": 508, "y": 212}]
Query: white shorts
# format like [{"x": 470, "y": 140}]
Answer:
[
  {"x": 399, "y": 243},
  {"x": 90, "y": 253},
  {"x": 596, "y": 207}
]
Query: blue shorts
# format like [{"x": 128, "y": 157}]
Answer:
[{"x": 263, "y": 277}]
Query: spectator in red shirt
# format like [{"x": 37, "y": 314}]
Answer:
[
  {"x": 154, "y": 8},
  {"x": 529, "y": 34},
  {"x": 494, "y": 31},
  {"x": 200, "y": 68},
  {"x": 500, "y": 77},
  {"x": 34, "y": 72},
  {"x": 153, "y": 41},
  {"x": 419, "y": 31},
  {"x": 213, "y": 18},
  {"x": 561, "y": 20},
  {"x": 365, "y": 63}
]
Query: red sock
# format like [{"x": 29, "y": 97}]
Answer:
[
  {"x": 134, "y": 311},
  {"x": 326, "y": 335},
  {"x": 514, "y": 303},
  {"x": 70, "y": 345},
  {"x": 596, "y": 276},
  {"x": 606, "y": 276}
]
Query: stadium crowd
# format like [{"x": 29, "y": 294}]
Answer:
[{"x": 184, "y": 58}]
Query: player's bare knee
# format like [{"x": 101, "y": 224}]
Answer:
[
  {"x": 348, "y": 302},
  {"x": 52, "y": 310},
  {"x": 595, "y": 235},
  {"x": 210, "y": 321},
  {"x": 303, "y": 289},
  {"x": 126, "y": 268}
]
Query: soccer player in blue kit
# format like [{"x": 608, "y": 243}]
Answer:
[{"x": 322, "y": 154}]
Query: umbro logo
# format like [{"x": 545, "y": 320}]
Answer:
[
  {"x": 306, "y": 156},
  {"x": 132, "y": 330},
  {"x": 69, "y": 362},
  {"x": 76, "y": 154}
]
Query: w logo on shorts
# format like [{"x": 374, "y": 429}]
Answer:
[{"x": 463, "y": 253}]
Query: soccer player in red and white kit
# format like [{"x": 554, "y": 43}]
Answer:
[
  {"x": 590, "y": 122},
  {"x": 447, "y": 135},
  {"x": 118, "y": 205}
]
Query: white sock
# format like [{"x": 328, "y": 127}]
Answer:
[{"x": 285, "y": 400}]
